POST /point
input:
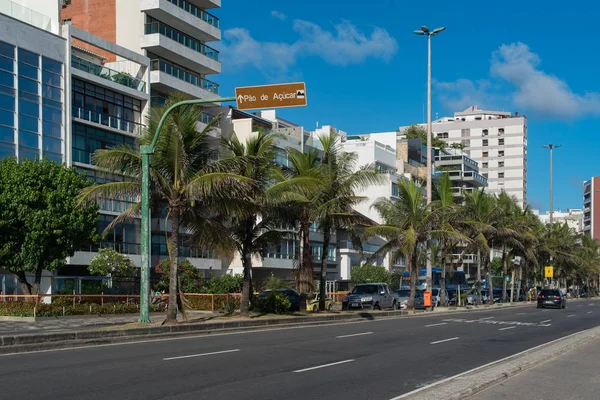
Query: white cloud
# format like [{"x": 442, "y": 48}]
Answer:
[
  {"x": 278, "y": 15},
  {"x": 343, "y": 46},
  {"x": 531, "y": 91}
]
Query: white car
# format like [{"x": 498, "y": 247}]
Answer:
[{"x": 436, "y": 298}]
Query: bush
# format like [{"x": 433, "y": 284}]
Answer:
[
  {"x": 275, "y": 283},
  {"x": 370, "y": 273},
  {"x": 272, "y": 303},
  {"x": 223, "y": 284},
  {"x": 26, "y": 309},
  {"x": 189, "y": 276}
]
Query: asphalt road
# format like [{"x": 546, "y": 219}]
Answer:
[{"x": 377, "y": 359}]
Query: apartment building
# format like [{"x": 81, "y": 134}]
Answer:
[
  {"x": 496, "y": 140},
  {"x": 573, "y": 217},
  {"x": 462, "y": 170},
  {"x": 591, "y": 208}
]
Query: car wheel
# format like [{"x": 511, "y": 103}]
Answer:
[
  {"x": 376, "y": 307},
  {"x": 329, "y": 307},
  {"x": 315, "y": 308},
  {"x": 394, "y": 306}
]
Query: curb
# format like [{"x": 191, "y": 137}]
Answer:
[{"x": 469, "y": 383}]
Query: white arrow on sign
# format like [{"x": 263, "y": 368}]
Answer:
[{"x": 240, "y": 98}]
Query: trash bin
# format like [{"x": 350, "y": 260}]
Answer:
[{"x": 427, "y": 299}]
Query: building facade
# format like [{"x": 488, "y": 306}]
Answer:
[
  {"x": 497, "y": 141},
  {"x": 591, "y": 208},
  {"x": 573, "y": 217}
]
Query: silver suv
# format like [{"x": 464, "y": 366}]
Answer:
[{"x": 370, "y": 296}]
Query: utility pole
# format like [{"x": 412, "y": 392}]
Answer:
[
  {"x": 424, "y": 31},
  {"x": 551, "y": 147}
]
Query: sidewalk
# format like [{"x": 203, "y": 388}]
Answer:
[{"x": 573, "y": 375}]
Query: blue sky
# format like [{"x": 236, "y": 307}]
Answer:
[{"x": 366, "y": 72}]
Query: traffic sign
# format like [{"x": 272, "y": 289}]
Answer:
[
  {"x": 271, "y": 96},
  {"x": 548, "y": 272}
]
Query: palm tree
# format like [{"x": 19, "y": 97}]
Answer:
[
  {"x": 410, "y": 221},
  {"x": 181, "y": 173},
  {"x": 337, "y": 197}
]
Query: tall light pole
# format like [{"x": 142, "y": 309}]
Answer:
[
  {"x": 424, "y": 31},
  {"x": 551, "y": 147}
]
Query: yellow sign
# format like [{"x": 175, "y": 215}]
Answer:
[{"x": 548, "y": 272}]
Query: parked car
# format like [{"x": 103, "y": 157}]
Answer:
[
  {"x": 312, "y": 303},
  {"x": 370, "y": 296},
  {"x": 551, "y": 298},
  {"x": 403, "y": 296},
  {"x": 436, "y": 297},
  {"x": 292, "y": 295}
]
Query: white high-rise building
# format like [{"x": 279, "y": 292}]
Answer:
[
  {"x": 497, "y": 141},
  {"x": 573, "y": 217}
]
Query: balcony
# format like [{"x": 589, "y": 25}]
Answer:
[
  {"x": 184, "y": 16},
  {"x": 168, "y": 78},
  {"x": 108, "y": 74},
  {"x": 171, "y": 44},
  {"x": 84, "y": 115}
]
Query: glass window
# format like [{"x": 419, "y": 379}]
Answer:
[
  {"x": 53, "y": 156},
  {"x": 52, "y": 145},
  {"x": 7, "y": 118},
  {"x": 28, "y": 71},
  {"x": 51, "y": 65},
  {"x": 51, "y": 114},
  {"x": 51, "y": 79},
  {"x": 27, "y": 85},
  {"x": 6, "y": 150},
  {"x": 28, "y": 96},
  {"x": 28, "y": 139},
  {"x": 7, "y": 90},
  {"x": 52, "y": 103},
  {"x": 29, "y": 57},
  {"x": 29, "y": 108},
  {"x": 7, "y": 102},
  {"x": 7, "y": 50},
  {"x": 50, "y": 129},
  {"x": 28, "y": 123},
  {"x": 7, "y": 79},
  {"x": 7, "y": 135},
  {"x": 52, "y": 92},
  {"x": 25, "y": 152},
  {"x": 7, "y": 64}
]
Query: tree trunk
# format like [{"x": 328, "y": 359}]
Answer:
[
  {"x": 512, "y": 284},
  {"x": 504, "y": 273},
  {"x": 443, "y": 283},
  {"x": 414, "y": 272},
  {"x": 520, "y": 283},
  {"x": 23, "y": 284},
  {"x": 247, "y": 264},
  {"x": 305, "y": 273},
  {"x": 174, "y": 267},
  {"x": 38, "y": 280},
  {"x": 326, "y": 240},
  {"x": 478, "y": 277},
  {"x": 488, "y": 268}
]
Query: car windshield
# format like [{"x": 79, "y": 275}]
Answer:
[
  {"x": 435, "y": 292},
  {"x": 365, "y": 289},
  {"x": 403, "y": 293},
  {"x": 418, "y": 294}
]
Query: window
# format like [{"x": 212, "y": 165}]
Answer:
[
  {"x": 29, "y": 139},
  {"x": 501, "y": 175},
  {"x": 485, "y": 142},
  {"x": 501, "y": 153},
  {"x": 485, "y": 154},
  {"x": 484, "y": 165},
  {"x": 484, "y": 132},
  {"x": 51, "y": 66},
  {"x": 485, "y": 175},
  {"x": 501, "y": 164},
  {"x": 28, "y": 123},
  {"x": 7, "y": 102},
  {"x": 440, "y": 135},
  {"x": 96, "y": 104},
  {"x": 86, "y": 140},
  {"x": 29, "y": 58},
  {"x": 7, "y": 135},
  {"x": 67, "y": 22},
  {"x": 501, "y": 131},
  {"x": 501, "y": 142},
  {"x": 7, "y": 79},
  {"x": 7, "y": 50},
  {"x": 7, "y": 150},
  {"x": 25, "y": 152}
]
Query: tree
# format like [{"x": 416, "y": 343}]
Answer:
[
  {"x": 337, "y": 197},
  {"x": 409, "y": 222},
  {"x": 183, "y": 175},
  {"x": 111, "y": 262},
  {"x": 369, "y": 273},
  {"x": 416, "y": 131},
  {"x": 457, "y": 146},
  {"x": 190, "y": 278},
  {"x": 40, "y": 223}
]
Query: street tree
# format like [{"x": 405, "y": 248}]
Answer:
[
  {"x": 111, "y": 262},
  {"x": 40, "y": 223}
]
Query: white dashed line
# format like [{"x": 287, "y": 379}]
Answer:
[
  {"x": 589, "y": 312},
  {"x": 569, "y": 316},
  {"x": 521, "y": 313},
  {"x": 445, "y": 340},
  {"x": 324, "y": 366},
  {"x": 508, "y": 327},
  {"x": 543, "y": 322},
  {"x": 483, "y": 319},
  {"x": 354, "y": 334},
  {"x": 201, "y": 355},
  {"x": 443, "y": 323}
]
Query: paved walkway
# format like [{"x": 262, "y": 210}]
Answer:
[{"x": 573, "y": 375}]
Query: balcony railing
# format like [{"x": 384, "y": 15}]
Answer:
[
  {"x": 106, "y": 120},
  {"x": 181, "y": 38},
  {"x": 184, "y": 75},
  {"x": 114, "y": 76},
  {"x": 197, "y": 12}
]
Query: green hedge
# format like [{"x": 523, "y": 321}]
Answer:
[{"x": 26, "y": 309}]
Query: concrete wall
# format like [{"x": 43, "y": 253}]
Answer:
[
  {"x": 49, "y": 8},
  {"x": 129, "y": 24}
]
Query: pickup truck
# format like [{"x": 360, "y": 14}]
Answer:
[{"x": 370, "y": 296}]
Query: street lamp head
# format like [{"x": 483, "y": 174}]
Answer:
[
  {"x": 438, "y": 30},
  {"x": 425, "y": 29},
  {"x": 557, "y": 146},
  {"x": 421, "y": 33},
  {"x": 545, "y": 146}
]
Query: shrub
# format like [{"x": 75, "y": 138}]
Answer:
[
  {"x": 223, "y": 284},
  {"x": 26, "y": 309},
  {"x": 275, "y": 283},
  {"x": 370, "y": 273},
  {"x": 189, "y": 276},
  {"x": 272, "y": 303}
]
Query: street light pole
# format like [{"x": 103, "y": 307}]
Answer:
[
  {"x": 424, "y": 31},
  {"x": 551, "y": 147},
  {"x": 146, "y": 151}
]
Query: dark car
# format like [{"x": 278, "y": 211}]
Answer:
[
  {"x": 292, "y": 296},
  {"x": 551, "y": 298}
]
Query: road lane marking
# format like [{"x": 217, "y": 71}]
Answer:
[
  {"x": 324, "y": 366},
  {"x": 201, "y": 355},
  {"x": 442, "y": 323},
  {"x": 508, "y": 327},
  {"x": 569, "y": 316},
  {"x": 445, "y": 340},
  {"x": 579, "y": 305},
  {"x": 354, "y": 334},
  {"x": 543, "y": 322},
  {"x": 483, "y": 319},
  {"x": 521, "y": 313},
  {"x": 589, "y": 312},
  {"x": 471, "y": 371}
]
